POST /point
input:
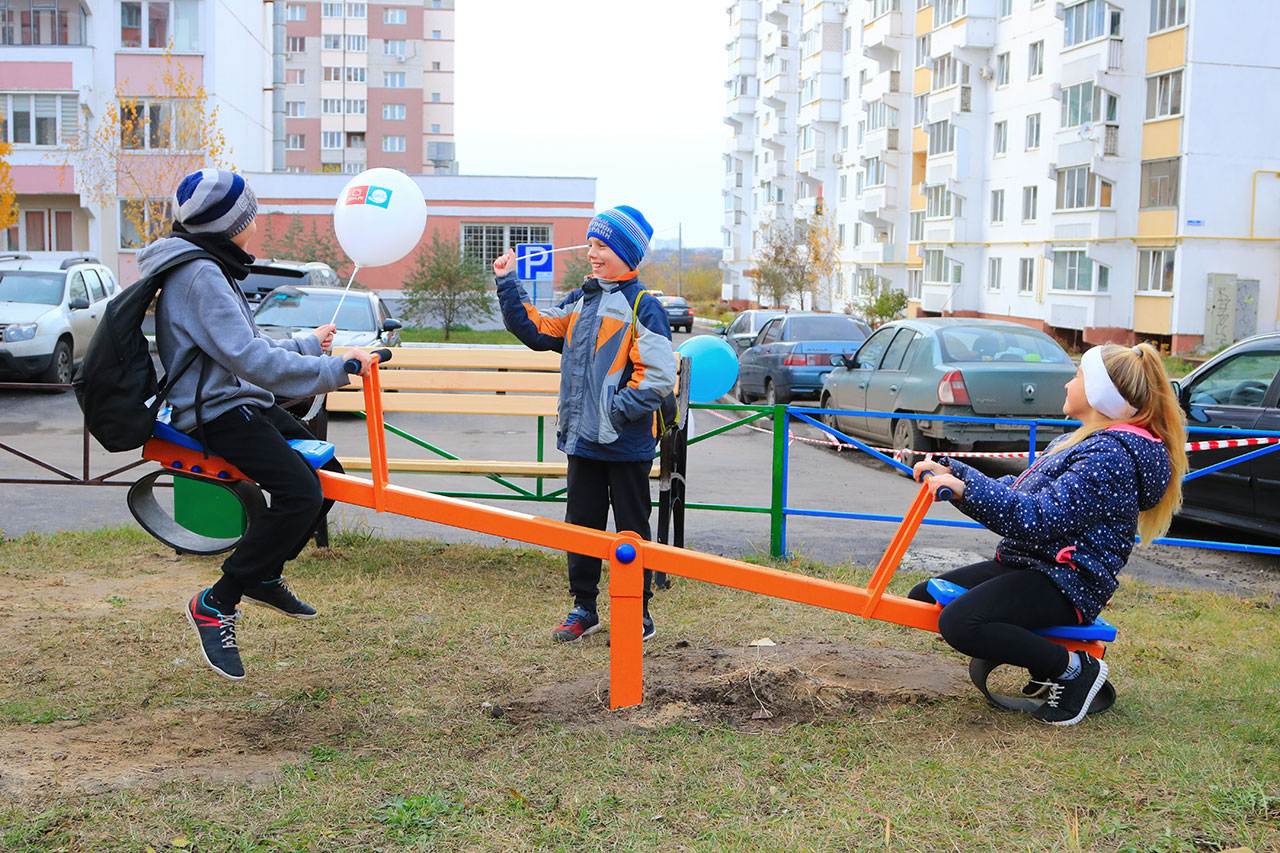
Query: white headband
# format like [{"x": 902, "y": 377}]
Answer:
[{"x": 1100, "y": 390}]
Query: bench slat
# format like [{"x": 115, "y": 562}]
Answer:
[
  {"x": 466, "y": 380},
  {"x": 478, "y": 358},
  {"x": 449, "y": 404},
  {"x": 468, "y": 466}
]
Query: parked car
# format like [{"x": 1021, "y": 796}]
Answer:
[
  {"x": 1237, "y": 389},
  {"x": 363, "y": 320},
  {"x": 742, "y": 332},
  {"x": 50, "y": 306},
  {"x": 949, "y": 366},
  {"x": 793, "y": 354},
  {"x": 265, "y": 275},
  {"x": 679, "y": 314}
]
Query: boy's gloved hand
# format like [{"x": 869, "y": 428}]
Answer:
[
  {"x": 324, "y": 334},
  {"x": 505, "y": 263}
]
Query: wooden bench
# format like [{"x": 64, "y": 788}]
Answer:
[{"x": 470, "y": 381}]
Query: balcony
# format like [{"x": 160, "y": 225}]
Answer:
[
  {"x": 970, "y": 35},
  {"x": 950, "y": 102},
  {"x": 1084, "y": 223},
  {"x": 1105, "y": 55},
  {"x": 742, "y": 106},
  {"x": 877, "y": 142},
  {"x": 873, "y": 253},
  {"x": 884, "y": 85},
  {"x": 779, "y": 12},
  {"x": 780, "y": 91},
  {"x": 879, "y": 203},
  {"x": 884, "y": 36},
  {"x": 743, "y": 143},
  {"x": 806, "y": 208},
  {"x": 776, "y": 169},
  {"x": 813, "y": 161}
]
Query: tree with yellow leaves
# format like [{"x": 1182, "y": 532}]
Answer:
[
  {"x": 8, "y": 199},
  {"x": 143, "y": 146}
]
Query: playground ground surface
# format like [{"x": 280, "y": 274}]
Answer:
[{"x": 428, "y": 709}]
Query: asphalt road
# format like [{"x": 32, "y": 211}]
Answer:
[{"x": 733, "y": 468}]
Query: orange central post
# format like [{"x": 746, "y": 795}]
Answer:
[
  {"x": 626, "y": 614},
  {"x": 377, "y": 436}
]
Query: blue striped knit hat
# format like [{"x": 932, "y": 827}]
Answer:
[
  {"x": 214, "y": 201},
  {"x": 625, "y": 230}
]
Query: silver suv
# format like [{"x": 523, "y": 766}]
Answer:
[{"x": 50, "y": 305}]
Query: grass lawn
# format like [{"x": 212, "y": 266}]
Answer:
[
  {"x": 430, "y": 335},
  {"x": 366, "y": 729}
]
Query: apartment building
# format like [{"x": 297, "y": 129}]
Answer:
[
  {"x": 1104, "y": 171},
  {"x": 369, "y": 84}
]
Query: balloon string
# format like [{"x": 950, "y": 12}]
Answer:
[{"x": 343, "y": 298}]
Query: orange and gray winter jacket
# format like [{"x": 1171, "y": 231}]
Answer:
[{"x": 616, "y": 367}]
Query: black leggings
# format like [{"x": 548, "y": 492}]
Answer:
[{"x": 993, "y": 620}]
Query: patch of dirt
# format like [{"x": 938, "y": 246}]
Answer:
[
  {"x": 146, "y": 750},
  {"x": 751, "y": 686}
]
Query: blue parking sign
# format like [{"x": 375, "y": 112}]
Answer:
[{"x": 534, "y": 261}]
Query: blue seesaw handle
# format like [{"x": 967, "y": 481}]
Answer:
[
  {"x": 353, "y": 367},
  {"x": 943, "y": 494}
]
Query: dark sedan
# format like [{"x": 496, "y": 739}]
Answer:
[
  {"x": 1238, "y": 389},
  {"x": 679, "y": 314},
  {"x": 793, "y": 354}
]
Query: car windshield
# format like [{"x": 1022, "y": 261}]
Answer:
[
  {"x": 32, "y": 288},
  {"x": 978, "y": 344},
  {"x": 823, "y": 329},
  {"x": 301, "y": 310},
  {"x": 265, "y": 282}
]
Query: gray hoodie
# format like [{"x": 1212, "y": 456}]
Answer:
[{"x": 199, "y": 309}]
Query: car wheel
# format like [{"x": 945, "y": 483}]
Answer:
[
  {"x": 743, "y": 396},
  {"x": 60, "y": 366},
  {"x": 773, "y": 396},
  {"x": 909, "y": 444},
  {"x": 828, "y": 418}
]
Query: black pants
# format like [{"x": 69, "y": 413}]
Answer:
[
  {"x": 257, "y": 442},
  {"x": 993, "y": 620},
  {"x": 594, "y": 486}
]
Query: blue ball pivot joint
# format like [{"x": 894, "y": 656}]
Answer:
[{"x": 626, "y": 553}]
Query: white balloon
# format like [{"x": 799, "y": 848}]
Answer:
[{"x": 379, "y": 217}]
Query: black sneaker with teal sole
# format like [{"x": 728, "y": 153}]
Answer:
[
  {"x": 276, "y": 594},
  {"x": 1067, "y": 702},
  {"x": 217, "y": 633}
]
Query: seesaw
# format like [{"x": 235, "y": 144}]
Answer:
[{"x": 627, "y": 554}]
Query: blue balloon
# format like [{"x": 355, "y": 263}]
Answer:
[{"x": 714, "y": 367}]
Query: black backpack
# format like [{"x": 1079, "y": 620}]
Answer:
[{"x": 117, "y": 379}]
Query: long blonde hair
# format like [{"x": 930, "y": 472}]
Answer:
[{"x": 1139, "y": 376}]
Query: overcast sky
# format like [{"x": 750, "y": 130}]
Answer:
[{"x": 627, "y": 91}]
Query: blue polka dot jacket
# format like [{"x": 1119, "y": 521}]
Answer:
[{"x": 1073, "y": 514}]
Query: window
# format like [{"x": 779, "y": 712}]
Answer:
[
  {"x": 436, "y": 35},
  {"x": 356, "y": 106},
  {"x": 946, "y": 11},
  {"x": 879, "y": 115},
  {"x": 355, "y": 140},
  {"x": 1155, "y": 270},
  {"x": 923, "y": 44},
  {"x": 331, "y": 10},
  {"x": 333, "y": 73},
  {"x": 941, "y": 203},
  {"x": 840, "y": 235},
  {"x": 296, "y": 76},
  {"x": 1074, "y": 270},
  {"x": 942, "y": 138},
  {"x": 435, "y": 128},
  {"x": 331, "y": 42},
  {"x": 993, "y": 273},
  {"x": 153, "y": 215},
  {"x": 295, "y": 109},
  {"x": 295, "y": 12},
  {"x": 331, "y": 106},
  {"x": 357, "y": 43},
  {"x": 921, "y": 110},
  {"x": 1030, "y": 198},
  {"x": 1239, "y": 381},
  {"x": 484, "y": 242},
  {"x": 351, "y": 167},
  {"x": 1084, "y": 22},
  {"x": 435, "y": 66},
  {"x": 997, "y": 207},
  {"x": 949, "y": 71},
  {"x": 296, "y": 141},
  {"x": 1006, "y": 8},
  {"x": 393, "y": 144},
  {"x": 1026, "y": 275},
  {"x": 915, "y": 279},
  {"x": 917, "y": 226},
  {"x": 844, "y": 187},
  {"x": 1002, "y": 69},
  {"x": 296, "y": 44},
  {"x": 331, "y": 140},
  {"x": 1167, "y": 14},
  {"x": 394, "y": 112},
  {"x": 939, "y": 269},
  {"x": 884, "y": 7},
  {"x": 435, "y": 97},
  {"x": 393, "y": 15},
  {"x": 1035, "y": 60},
  {"x": 876, "y": 172},
  {"x": 393, "y": 47},
  {"x": 356, "y": 74},
  {"x": 1079, "y": 188},
  {"x": 151, "y": 24},
  {"x": 1159, "y": 183},
  {"x": 357, "y": 10},
  {"x": 158, "y": 124},
  {"x": 1084, "y": 103},
  {"x": 393, "y": 79},
  {"x": 45, "y": 120},
  {"x": 1000, "y": 138},
  {"x": 1164, "y": 95},
  {"x": 1033, "y": 132},
  {"x": 52, "y": 22}
]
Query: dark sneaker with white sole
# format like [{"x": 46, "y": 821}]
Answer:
[
  {"x": 649, "y": 630},
  {"x": 578, "y": 624},
  {"x": 1067, "y": 702},
  {"x": 277, "y": 595},
  {"x": 217, "y": 633}
]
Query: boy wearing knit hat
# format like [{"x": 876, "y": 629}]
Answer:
[
  {"x": 617, "y": 368},
  {"x": 228, "y": 374}
]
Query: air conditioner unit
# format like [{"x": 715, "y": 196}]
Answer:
[
  {"x": 837, "y": 158},
  {"x": 985, "y": 72}
]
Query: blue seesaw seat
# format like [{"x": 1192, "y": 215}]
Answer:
[
  {"x": 317, "y": 453},
  {"x": 945, "y": 592}
]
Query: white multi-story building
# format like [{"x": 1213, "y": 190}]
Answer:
[{"x": 1104, "y": 171}]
